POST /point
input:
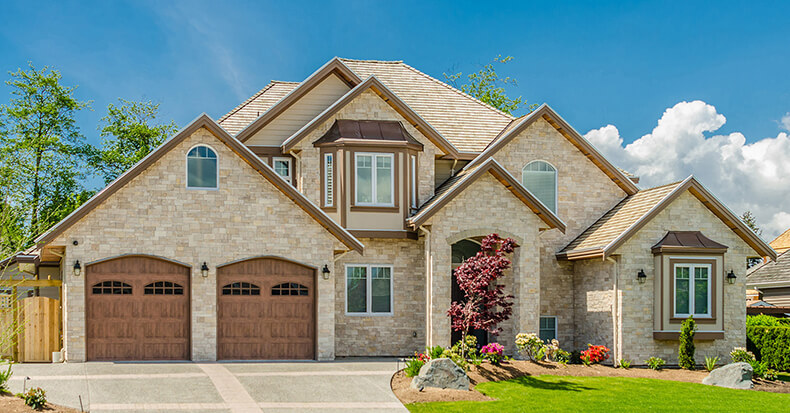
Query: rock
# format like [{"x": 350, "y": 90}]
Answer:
[
  {"x": 441, "y": 373},
  {"x": 734, "y": 376}
]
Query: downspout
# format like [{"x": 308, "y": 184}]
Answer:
[
  {"x": 615, "y": 312},
  {"x": 428, "y": 284}
]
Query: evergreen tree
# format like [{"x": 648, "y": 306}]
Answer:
[{"x": 686, "y": 350}]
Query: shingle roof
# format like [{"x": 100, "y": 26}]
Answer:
[
  {"x": 250, "y": 109},
  {"x": 617, "y": 220},
  {"x": 782, "y": 242},
  {"x": 771, "y": 271},
  {"x": 469, "y": 124}
]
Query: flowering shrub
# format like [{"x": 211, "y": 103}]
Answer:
[
  {"x": 530, "y": 346},
  {"x": 493, "y": 352},
  {"x": 414, "y": 364},
  {"x": 594, "y": 354}
]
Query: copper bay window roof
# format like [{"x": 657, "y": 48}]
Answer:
[{"x": 368, "y": 130}]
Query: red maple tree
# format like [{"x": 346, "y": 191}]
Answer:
[{"x": 485, "y": 304}]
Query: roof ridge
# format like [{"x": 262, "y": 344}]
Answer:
[
  {"x": 456, "y": 90},
  {"x": 249, "y": 100},
  {"x": 371, "y": 60},
  {"x": 661, "y": 186},
  {"x": 284, "y": 81}
]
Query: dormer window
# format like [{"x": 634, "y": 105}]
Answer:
[
  {"x": 282, "y": 166},
  {"x": 202, "y": 168},
  {"x": 374, "y": 179},
  {"x": 540, "y": 178}
]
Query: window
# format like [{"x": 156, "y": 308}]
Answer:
[
  {"x": 202, "y": 168},
  {"x": 112, "y": 288},
  {"x": 368, "y": 289},
  {"x": 692, "y": 290},
  {"x": 163, "y": 288},
  {"x": 541, "y": 179},
  {"x": 548, "y": 328},
  {"x": 289, "y": 289},
  {"x": 374, "y": 179},
  {"x": 241, "y": 288},
  {"x": 329, "y": 179},
  {"x": 413, "y": 166},
  {"x": 283, "y": 167}
]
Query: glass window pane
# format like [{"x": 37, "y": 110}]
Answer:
[
  {"x": 681, "y": 290},
  {"x": 202, "y": 173},
  {"x": 356, "y": 289},
  {"x": 548, "y": 328},
  {"x": 380, "y": 289},
  {"x": 364, "y": 179},
  {"x": 329, "y": 180},
  {"x": 701, "y": 290},
  {"x": 541, "y": 179},
  {"x": 383, "y": 180},
  {"x": 282, "y": 167}
]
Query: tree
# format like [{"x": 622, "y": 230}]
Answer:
[
  {"x": 130, "y": 132},
  {"x": 686, "y": 350},
  {"x": 486, "y": 86},
  {"x": 751, "y": 221},
  {"x": 485, "y": 304},
  {"x": 41, "y": 147}
]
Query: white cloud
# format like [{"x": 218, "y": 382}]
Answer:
[
  {"x": 785, "y": 122},
  {"x": 753, "y": 176}
]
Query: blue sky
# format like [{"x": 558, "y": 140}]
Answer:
[{"x": 597, "y": 63}]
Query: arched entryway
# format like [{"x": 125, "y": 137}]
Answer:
[
  {"x": 461, "y": 251},
  {"x": 266, "y": 310}
]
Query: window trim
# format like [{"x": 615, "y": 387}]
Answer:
[
  {"x": 373, "y": 179},
  {"x": 556, "y": 325},
  {"x": 327, "y": 188},
  {"x": 413, "y": 183},
  {"x": 186, "y": 169},
  {"x": 711, "y": 290},
  {"x": 287, "y": 159},
  {"x": 556, "y": 183},
  {"x": 368, "y": 289}
]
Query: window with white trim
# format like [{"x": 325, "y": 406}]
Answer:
[
  {"x": 413, "y": 166},
  {"x": 282, "y": 166},
  {"x": 329, "y": 179},
  {"x": 368, "y": 289},
  {"x": 202, "y": 168},
  {"x": 375, "y": 180},
  {"x": 692, "y": 290},
  {"x": 548, "y": 328},
  {"x": 540, "y": 178}
]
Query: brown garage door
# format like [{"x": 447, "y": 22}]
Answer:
[
  {"x": 266, "y": 310},
  {"x": 137, "y": 308}
]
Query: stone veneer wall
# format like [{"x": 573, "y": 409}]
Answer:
[
  {"x": 155, "y": 214},
  {"x": 485, "y": 207},
  {"x": 366, "y": 106},
  {"x": 399, "y": 334},
  {"x": 585, "y": 193},
  {"x": 686, "y": 213},
  {"x": 594, "y": 282}
]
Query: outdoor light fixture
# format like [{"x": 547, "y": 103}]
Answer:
[
  {"x": 641, "y": 276},
  {"x": 77, "y": 268},
  {"x": 325, "y": 272},
  {"x": 731, "y": 278},
  {"x": 204, "y": 269}
]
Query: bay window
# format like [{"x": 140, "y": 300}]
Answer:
[
  {"x": 692, "y": 289},
  {"x": 375, "y": 180}
]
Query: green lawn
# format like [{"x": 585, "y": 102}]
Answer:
[{"x": 606, "y": 394}]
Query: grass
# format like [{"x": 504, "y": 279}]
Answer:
[{"x": 605, "y": 394}]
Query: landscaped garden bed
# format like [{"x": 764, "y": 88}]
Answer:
[{"x": 14, "y": 404}]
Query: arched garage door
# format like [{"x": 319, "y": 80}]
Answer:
[
  {"x": 266, "y": 310},
  {"x": 137, "y": 308}
]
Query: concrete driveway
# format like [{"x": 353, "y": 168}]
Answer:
[{"x": 337, "y": 386}]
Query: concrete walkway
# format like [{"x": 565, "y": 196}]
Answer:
[{"x": 338, "y": 386}]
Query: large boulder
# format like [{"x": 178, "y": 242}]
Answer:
[
  {"x": 441, "y": 373},
  {"x": 734, "y": 376}
]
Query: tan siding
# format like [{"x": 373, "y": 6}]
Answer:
[{"x": 777, "y": 296}]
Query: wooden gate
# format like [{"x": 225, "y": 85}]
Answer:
[{"x": 39, "y": 335}]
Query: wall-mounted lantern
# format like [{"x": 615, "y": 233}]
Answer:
[
  {"x": 731, "y": 278},
  {"x": 325, "y": 272},
  {"x": 204, "y": 269},
  {"x": 641, "y": 276},
  {"x": 77, "y": 268}
]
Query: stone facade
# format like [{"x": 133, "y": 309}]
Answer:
[
  {"x": 155, "y": 214},
  {"x": 593, "y": 284}
]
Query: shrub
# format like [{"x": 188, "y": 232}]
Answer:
[
  {"x": 576, "y": 357},
  {"x": 655, "y": 363},
  {"x": 739, "y": 354},
  {"x": 770, "y": 374},
  {"x": 493, "y": 352},
  {"x": 434, "y": 352},
  {"x": 529, "y": 345},
  {"x": 771, "y": 344},
  {"x": 35, "y": 398},
  {"x": 710, "y": 363},
  {"x": 414, "y": 364},
  {"x": 686, "y": 349},
  {"x": 625, "y": 364},
  {"x": 594, "y": 354},
  {"x": 4, "y": 376},
  {"x": 762, "y": 320},
  {"x": 562, "y": 356}
]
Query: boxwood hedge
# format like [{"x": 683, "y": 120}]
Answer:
[{"x": 771, "y": 344}]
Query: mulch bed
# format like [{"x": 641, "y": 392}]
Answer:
[
  {"x": 13, "y": 404},
  {"x": 518, "y": 368}
]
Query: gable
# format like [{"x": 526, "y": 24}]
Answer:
[
  {"x": 302, "y": 111},
  {"x": 249, "y": 110}
]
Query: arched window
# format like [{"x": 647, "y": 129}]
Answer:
[
  {"x": 541, "y": 179},
  {"x": 241, "y": 288},
  {"x": 163, "y": 288},
  {"x": 202, "y": 168},
  {"x": 289, "y": 289},
  {"x": 112, "y": 288}
]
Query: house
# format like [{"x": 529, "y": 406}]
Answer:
[
  {"x": 323, "y": 219},
  {"x": 771, "y": 280}
]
